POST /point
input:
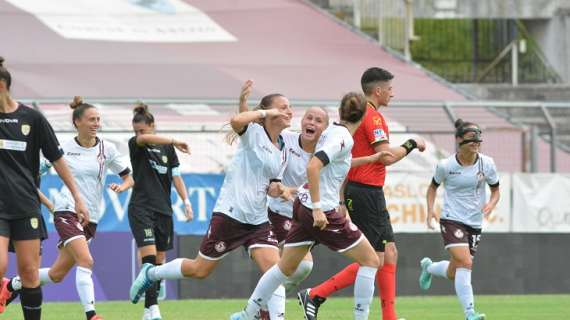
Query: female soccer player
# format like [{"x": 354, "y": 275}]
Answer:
[
  {"x": 463, "y": 175},
  {"x": 23, "y": 133},
  {"x": 316, "y": 221},
  {"x": 155, "y": 168},
  {"x": 240, "y": 213},
  {"x": 89, "y": 158}
]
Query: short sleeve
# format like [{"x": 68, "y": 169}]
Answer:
[
  {"x": 48, "y": 141},
  {"x": 116, "y": 162},
  {"x": 174, "y": 162},
  {"x": 491, "y": 175},
  {"x": 374, "y": 127},
  {"x": 439, "y": 175},
  {"x": 252, "y": 135},
  {"x": 330, "y": 149}
]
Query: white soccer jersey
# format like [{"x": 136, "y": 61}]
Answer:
[
  {"x": 465, "y": 192},
  {"x": 243, "y": 195},
  {"x": 294, "y": 174},
  {"x": 336, "y": 143},
  {"x": 89, "y": 169}
]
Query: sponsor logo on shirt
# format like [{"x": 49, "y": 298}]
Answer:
[
  {"x": 294, "y": 152},
  {"x": 9, "y": 120},
  {"x": 379, "y": 134},
  {"x": 13, "y": 145},
  {"x": 160, "y": 169},
  {"x": 73, "y": 154},
  {"x": 454, "y": 172}
]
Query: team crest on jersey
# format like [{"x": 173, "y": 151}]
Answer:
[
  {"x": 26, "y": 129},
  {"x": 34, "y": 222},
  {"x": 377, "y": 121},
  {"x": 287, "y": 225},
  {"x": 164, "y": 159},
  {"x": 458, "y": 234},
  {"x": 220, "y": 246}
]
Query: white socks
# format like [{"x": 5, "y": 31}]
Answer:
[
  {"x": 168, "y": 271},
  {"x": 276, "y": 304},
  {"x": 85, "y": 289},
  {"x": 464, "y": 290},
  {"x": 363, "y": 292},
  {"x": 267, "y": 285},
  {"x": 302, "y": 272},
  {"x": 439, "y": 268},
  {"x": 44, "y": 276}
]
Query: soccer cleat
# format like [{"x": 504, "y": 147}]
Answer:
[
  {"x": 243, "y": 316},
  {"x": 475, "y": 316},
  {"x": 310, "y": 306},
  {"x": 425, "y": 276},
  {"x": 154, "y": 313},
  {"x": 146, "y": 314},
  {"x": 5, "y": 294},
  {"x": 141, "y": 283}
]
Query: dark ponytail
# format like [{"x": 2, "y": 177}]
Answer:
[
  {"x": 141, "y": 114},
  {"x": 352, "y": 107},
  {"x": 79, "y": 108},
  {"x": 461, "y": 125},
  {"x": 5, "y": 74}
]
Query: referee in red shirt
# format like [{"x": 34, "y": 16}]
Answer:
[{"x": 364, "y": 196}]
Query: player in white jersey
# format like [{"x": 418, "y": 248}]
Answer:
[
  {"x": 316, "y": 219},
  {"x": 464, "y": 176},
  {"x": 240, "y": 213},
  {"x": 89, "y": 157}
]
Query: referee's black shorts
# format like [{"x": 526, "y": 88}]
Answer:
[{"x": 367, "y": 208}]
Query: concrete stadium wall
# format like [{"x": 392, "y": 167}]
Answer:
[{"x": 506, "y": 264}]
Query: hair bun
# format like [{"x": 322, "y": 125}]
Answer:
[
  {"x": 140, "y": 108},
  {"x": 2, "y": 61},
  {"x": 77, "y": 101},
  {"x": 459, "y": 122}
]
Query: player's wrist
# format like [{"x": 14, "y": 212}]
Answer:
[
  {"x": 409, "y": 145},
  {"x": 317, "y": 205},
  {"x": 187, "y": 202}
]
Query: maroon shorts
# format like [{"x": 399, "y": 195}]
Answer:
[
  {"x": 226, "y": 234},
  {"x": 68, "y": 227},
  {"x": 280, "y": 225},
  {"x": 457, "y": 234},
  {"x": 339, "y": 235}
]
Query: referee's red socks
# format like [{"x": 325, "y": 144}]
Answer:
[
  {"x": 341, "y": 280},
  {"x": 386, "y": 285}
]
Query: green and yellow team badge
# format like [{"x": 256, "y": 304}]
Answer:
[
  {"x": 26, "y": 129},
  {"x": 165, "y": 159},
  {"x": 34, "y": 222}
]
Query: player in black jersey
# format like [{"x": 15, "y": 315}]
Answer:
[
  {"x": 155, "y": 169},
  {"x": 23, "y": 133}
]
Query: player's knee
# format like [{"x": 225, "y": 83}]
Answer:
[
  {"x": 370, "y": 261},
  {"x": 201, "y": 273},
  {"x": 86, "y": 262},
  {"x": 28, "y": 274},
  {"x": 464, "y": 262},
  {"x": 391, "y": 253}
]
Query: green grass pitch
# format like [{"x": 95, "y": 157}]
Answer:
[{"x": 522, "y": 307}]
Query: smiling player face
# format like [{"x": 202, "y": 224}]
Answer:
[{"x": 314, "y": 122}]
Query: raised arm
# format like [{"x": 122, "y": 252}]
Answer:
[{"x": 144, "y": 139}]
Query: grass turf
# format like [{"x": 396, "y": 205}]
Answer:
[{"x": 520, "y": 307}]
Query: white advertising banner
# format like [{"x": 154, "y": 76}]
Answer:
[
  {"x": 126, "y": 20},
  {"x": 406, "y": 201},
  {"x": 541, "y": 202}
]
